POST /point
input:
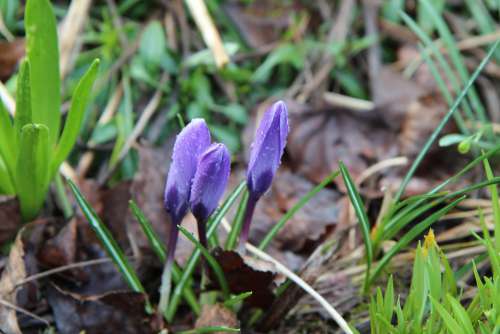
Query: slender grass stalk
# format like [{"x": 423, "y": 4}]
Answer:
[
  {"x": 232, "y": 238},
  {"x": 443, "y": 122},
  {"x": 455, "y": 57},
  {"x": 411, "y": 235},
  {"x": 448, "y": 71},
  {"x": 363, "y": 220},
  {"x": 494, "y": 203}
]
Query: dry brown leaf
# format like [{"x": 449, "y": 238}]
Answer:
[
  {"x": 113, "y": 312},
  {"x": 217, "y": 315},
  {"x": 14, "y": 272},
  {"x": 10, "y": 54},
  {"x": 10, "y": 218},
  {"x": 243, "y": 275}
]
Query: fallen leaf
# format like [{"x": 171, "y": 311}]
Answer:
[
  {"x": 216, "y": 315},
  {"x": 245, "y": 275},
  {"x": 10, "y": 218},
  {"x": 307, "y": 224},
  {"x": 10, "y": 54},
  {"x": 318, "y": 140},
  {"x": 113, "y": 312},
  {"x": 13, "y": 273}
]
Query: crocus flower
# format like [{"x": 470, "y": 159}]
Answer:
[
  {"x": 189, "y": 145},
  {"x": 265, "y": 158},
  {"x": 209, "y": 183}
]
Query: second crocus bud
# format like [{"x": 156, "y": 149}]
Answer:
[
  {"x": 209, "y": 183},
  {"x": 265, "y": 158}
]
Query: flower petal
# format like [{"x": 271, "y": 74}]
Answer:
[
  {"x": 210, "y": 181},
  {"x": 190, "y": 143}
]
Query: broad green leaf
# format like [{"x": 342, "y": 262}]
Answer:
[
  {"x": 7, "y": 137},
  {"x": 23, "y": 100},
  {"x": 43, "y": 54},
  {"x": 32, "y": 169},
  {"x": 76, "y": 114}
]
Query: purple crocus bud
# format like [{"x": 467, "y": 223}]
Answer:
[
  {"x": 210, "y": 180},
  {"x": 209, "y": 183},
  {"x": 190, "y": 143},
  {"x": 267, "y": 149},
  {"x": 265, "y": 158}
]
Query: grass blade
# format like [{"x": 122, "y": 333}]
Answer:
[
  {"x": 448, "y": 71},
  {"x": 212, "y": 262},
  {"x": 276, "y": 228},
  {"x": 455, "y": 57},
  {"x": 114, "y": 251},
  {"x": 81, "y": 97},
  {"x": 443, "y": 122},
  {"x": 154, "y": 240},
  {"x": 161, "y": 252},
  {"x": 359, "y": 208},
  {"x": 32, "y": 170},
  {"x": 43, "y": 54},
  {"x": 232, "y": 238},
  {"x": 237, "y": 299},
  {"x": 212, "y": 224},
  {"x": 364, "y": 222},
  {"x": 494, "y": 202},
  {"x": 411, "y": 235}
]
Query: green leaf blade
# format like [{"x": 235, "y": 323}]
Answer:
[
  {"x": 76, "y": 114},
  {"x": 43, "y": 54},
  {"x": 23, "y": 99},
  {"x": 32, "y": 169}
]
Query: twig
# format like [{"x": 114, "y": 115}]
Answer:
[
  {"x": 209, "y": 32},
  {"x": 370, "y": 13},
  {"x": 23, "y": 311},
  {"x": 61, "y": 269},
  {"x": 149, "y": 111},
  {"x": 381, "y": 165},
  {"x": 69, "y": 43},
  {"x": 297, "y": 280},
  {"x": 343, "y": 101}
]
